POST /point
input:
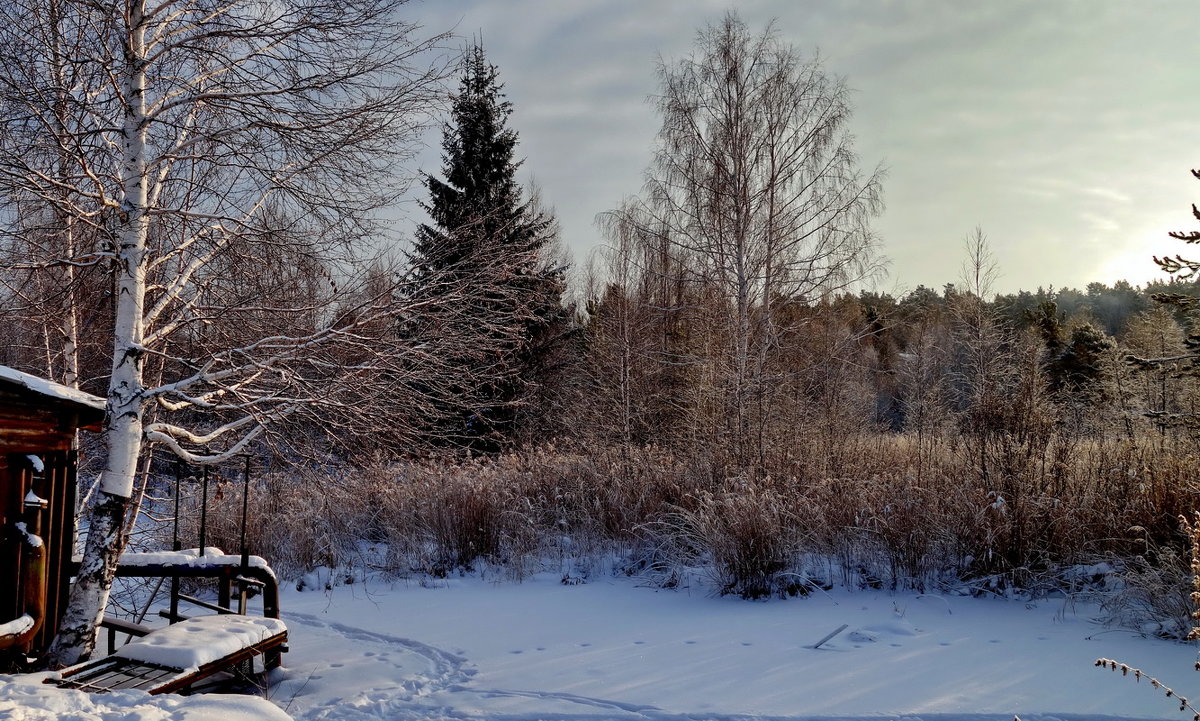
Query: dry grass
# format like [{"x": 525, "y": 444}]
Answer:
[
  {"x": 1155, "y": 595},
  {"x": 749, "y": 536},
  {"x": 894, "y": 514}
]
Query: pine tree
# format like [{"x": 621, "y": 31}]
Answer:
[
  {"x": 1079, "y": 367},
  {"x": 485, "y": 228}
]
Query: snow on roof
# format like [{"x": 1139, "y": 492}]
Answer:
[
  {"x": 190, "y": 644},
  {"x": 27, "y": 698},
  {"x": 50, "y": 389}
]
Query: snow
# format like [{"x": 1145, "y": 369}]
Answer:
[
  {"x": 32, "y": 540},
  {"x": 33, "y": 499},
  {"x": 190, "y": 644},
  {"x": 468, "y": 649},
  {"x": 192, "y": 558},
  {"x": 37, "y": 464},
  {"x": 611, "y": 650},
  {"x": 17, "y": 626},
  {"x": 50, "y": 388},
  {"x": 26, "y": 698}
]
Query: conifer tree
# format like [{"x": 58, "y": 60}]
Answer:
[
  {"x": 1079, "y": 368},
  {"x": 1184, "y": 273},
  {"x": 485, "y": 228}
]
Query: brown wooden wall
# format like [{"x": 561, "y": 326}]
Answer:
[
  {"x": 57, "y": 485},
  {"x": 38, "y": 418},
  {"x": 31, "y": 424}
]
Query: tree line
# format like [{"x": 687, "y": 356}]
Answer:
[{"x": 189, "y": 227}]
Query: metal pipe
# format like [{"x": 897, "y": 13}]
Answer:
[
  {"x": 203, "y": 509},
  {"x": 245, "y": 510},
  {"x": 175, "y": 545}
]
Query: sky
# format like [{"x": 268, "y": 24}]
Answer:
[{"x": 1065, "y": 131}]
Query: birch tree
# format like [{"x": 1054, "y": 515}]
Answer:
[
  {"x": 191, "y": 137},
  {"x": 636, "y": 355},
  {"x": 44, "y": 225},
  {"x": 755, "y": 179}
]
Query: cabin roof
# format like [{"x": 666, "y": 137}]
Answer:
[{"x": 88, "y": 408}]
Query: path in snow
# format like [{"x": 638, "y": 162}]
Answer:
[
  {"x": 380, "y": 676},
  {"x": 389, "y": 677}
]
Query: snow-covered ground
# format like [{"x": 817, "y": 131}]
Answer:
[
  {"x": 469, "y": 649},
  {"x": 609, "y": 649},
  {"x": 26, "y": 698}
]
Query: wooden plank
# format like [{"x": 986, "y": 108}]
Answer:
[
  {"x": 832, "y": 633},
  {"x": 10, "y": 492},
  {"x": 34, "y": 440},
  {"x": 67, "y": 535},
  {"x": 110, "y": 674},
  {"x": 49, "y": 486},
  {"x": 224, "y": 663}
]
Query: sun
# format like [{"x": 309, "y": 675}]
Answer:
[{"x": 1133, "y": 260}]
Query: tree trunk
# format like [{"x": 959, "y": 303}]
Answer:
[
  {"x": 123, "y": 431},
  {"x": 76, "y": 637}
]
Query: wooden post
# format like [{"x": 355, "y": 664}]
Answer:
[{"x": 223, "y": 588}]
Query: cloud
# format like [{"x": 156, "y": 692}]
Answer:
[{"x": 1050, "y": 124}]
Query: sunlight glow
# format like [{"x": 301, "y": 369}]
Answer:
[{"x": 1134, "y": 261}]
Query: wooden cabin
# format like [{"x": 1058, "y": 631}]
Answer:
[{"x": 38, "y": 421}]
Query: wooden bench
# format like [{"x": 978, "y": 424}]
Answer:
[{"x": 174, "y": 658}]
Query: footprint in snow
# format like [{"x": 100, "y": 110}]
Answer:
[
  {"x": 747, "y": 643},
  {"x": 638, "y": 643},
  {"x": 584, "y": 645},
  {"x": 944, "y": 643},
  {"x": 994, "y": 640},
  {"x": 516, "y": 652},
  {"x": 690, "y": 643}
]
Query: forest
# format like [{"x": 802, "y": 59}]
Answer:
[{"x": 190, "y": 228}]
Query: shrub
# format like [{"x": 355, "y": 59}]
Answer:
[
  {"x": 749, "y": 538},
  {"x": 897, "y": 513}
]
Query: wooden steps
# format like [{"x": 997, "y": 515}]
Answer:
[{"x": 174, "y": 658}]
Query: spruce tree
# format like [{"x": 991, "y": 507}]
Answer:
[
  {"x": 486, "y": 230},
  {"x": 1185, "y": 306}
]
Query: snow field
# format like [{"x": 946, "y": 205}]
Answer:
[{"x": 608, "y": 649}]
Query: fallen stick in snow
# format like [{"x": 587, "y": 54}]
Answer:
[{"x": 835, "y": 632}]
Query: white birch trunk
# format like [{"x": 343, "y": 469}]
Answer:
[
  {"x": 70, "y": 331},
  {"x": 123, "y": 433},
  {"x": 69, "y": 326}
]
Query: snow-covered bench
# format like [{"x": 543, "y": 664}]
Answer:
[{"x": 176, "y": 657}]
